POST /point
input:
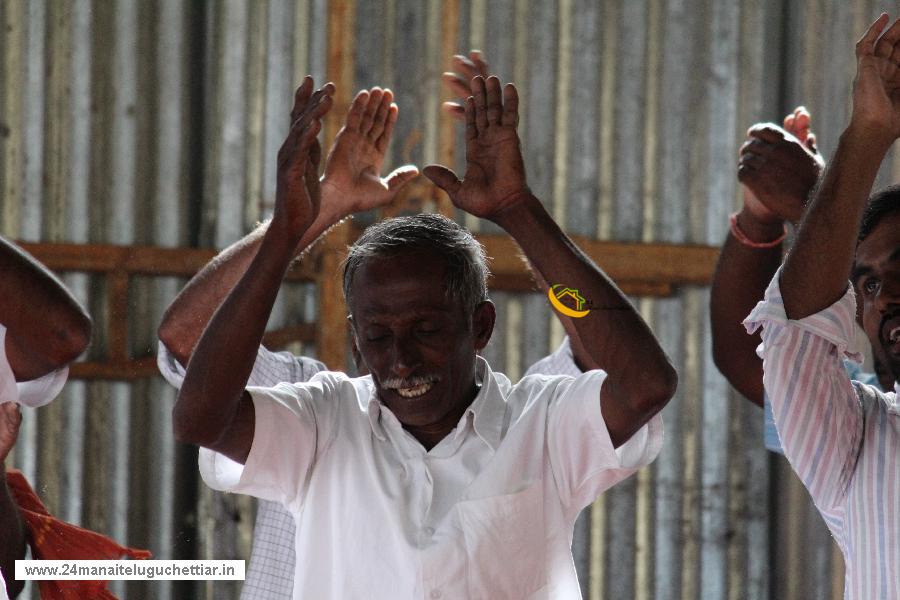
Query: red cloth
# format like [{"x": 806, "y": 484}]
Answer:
[{"x": 53, "y": 539}]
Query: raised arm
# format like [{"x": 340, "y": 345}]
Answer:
[
  {"x": 818, "y": 266},
  {"x": 778, "y": 169},
  {"x": 352, "y": 182},
  {"x": 640, "y": 378},
  {"x": 46, "y": 328},
  {"x": 213, "y": 409}
]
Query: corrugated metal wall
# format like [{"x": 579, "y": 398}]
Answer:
[{"x": 157, "y": 122}]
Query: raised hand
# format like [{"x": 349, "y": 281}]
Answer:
[
  {"x": 495, "y": 173},
  {"x": 297, "y": 194},
  {"x": 876, "y": 89},
  {"x": 458, "y": 80},
  {"x": 352, "y": 181},
  {"x": 779, "y": 168},
  {"x": 10, "y": 420}
]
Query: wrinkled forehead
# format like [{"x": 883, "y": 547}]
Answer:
[
  {"x": 880, "y": 249},
  {"x": 399, "y": 282}
]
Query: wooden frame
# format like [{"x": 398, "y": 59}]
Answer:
[{"x": 653, "y": 270}]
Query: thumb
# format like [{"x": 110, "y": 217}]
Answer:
[
  {"x": 443, "y": 177},
  {"x": 400, "y": 177}
]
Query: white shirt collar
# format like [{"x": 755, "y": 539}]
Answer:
[{"x": 485, "y": 417}]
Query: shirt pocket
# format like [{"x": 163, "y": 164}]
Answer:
[{"x": 506, "y": 543}]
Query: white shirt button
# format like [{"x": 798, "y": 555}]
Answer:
[
  {"x": 436, "y": 593},
  {"x": 428, "y": 531}
]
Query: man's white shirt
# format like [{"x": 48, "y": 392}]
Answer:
[{"x": 488, "y": 512}]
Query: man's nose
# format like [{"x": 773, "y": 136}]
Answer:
[{"x": 406, "y": 357}]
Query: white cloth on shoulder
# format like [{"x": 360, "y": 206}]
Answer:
[{"x": 34, "y": 393}]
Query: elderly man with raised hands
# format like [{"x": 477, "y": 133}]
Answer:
[
  {"x": 842, "y": 437},
  {"x": 351, "y": 183},
  {"x": 433, "y": 476}
]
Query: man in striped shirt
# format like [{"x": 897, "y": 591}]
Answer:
[{"x": 843, "y": 437}]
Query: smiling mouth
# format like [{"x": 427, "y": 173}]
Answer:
[
  {"x": 891, "y": 333},
  {"x": 415, "y": 391},
  {"x": 411, "y": 388}
]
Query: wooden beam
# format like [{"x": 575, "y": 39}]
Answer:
[
  {"x": 136, "y": 260},
  {"x": 650, "y": 270},
  {"x": 650, "y": 264}
]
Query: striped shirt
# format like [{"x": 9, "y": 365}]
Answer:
[
  {"x": 270, "y": 575},
  {"x": 841, "y": 437}
]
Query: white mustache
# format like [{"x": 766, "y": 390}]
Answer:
[{"x": 399, "y": 384}]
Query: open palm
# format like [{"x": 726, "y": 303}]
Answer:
[
  {"x": 495, "y": 172},
  {"x": 352, "y": 181}
]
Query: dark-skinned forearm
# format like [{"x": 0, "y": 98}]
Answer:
[
  {"x": 613, "y": 335},
  {"x": 220, "y": 366},
  {"x": 739, "y": 282},
  {"x": 818, "y": 266},
  {"x": 186, "y": 318}
]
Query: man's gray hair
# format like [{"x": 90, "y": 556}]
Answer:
[{"x": 467, "y": 271}]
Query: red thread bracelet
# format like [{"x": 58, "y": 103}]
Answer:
[{"x": 742, "y": 237}]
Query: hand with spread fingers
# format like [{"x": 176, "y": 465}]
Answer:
[
  {"x": 779, "y": 168},
  {"x": 459, "y": 80},
  {"x": 352, "y": 181},
  {"x": 876, "y": 90},
  {"x": 297, "y": 195},
  {"x": 495, "y": 172}
]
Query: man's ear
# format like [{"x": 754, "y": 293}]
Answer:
[
  {"x": 361, "y": 368},
  {"x": 483, "y": 318}
]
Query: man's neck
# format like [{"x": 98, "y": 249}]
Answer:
[{"x": 431, "y": 435}]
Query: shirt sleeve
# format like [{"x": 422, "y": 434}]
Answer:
[
  {"x": 584, "y": 460},
  {"x": 270, "y": 368},
  {"x": 294, "y": 422},
  {"x": 560, "y": 362},
  {"x": 33, "y": 393},
  {"x": 817, "y": 410}
]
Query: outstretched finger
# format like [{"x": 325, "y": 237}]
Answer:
[
  {"x": 458, "y": 84},
  {"x": 866, "y": 44},
  {"x": 301, "y": 97},
  {"x": 494, "y": 100},
  {"x": 319, "y": 104},
  {"x": 454, "y": 109},
  {"x": 789, "y": 123},
  {"x": 479, "y": 94},
  {"x": 368, "y": 117},
  {"x": 381, "y": 115},
  {"x": 510, "y": 105},
  {"x": 476, "y": 57},
  {"x": 381, "y": 143},
  {"x": 355, "y": 112},
  {"x": 801, "y": 124},
  {"x": 471, "y": 119},
  {"x": 885, "y": 44},
  {"x": 472, "y": 66}
]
